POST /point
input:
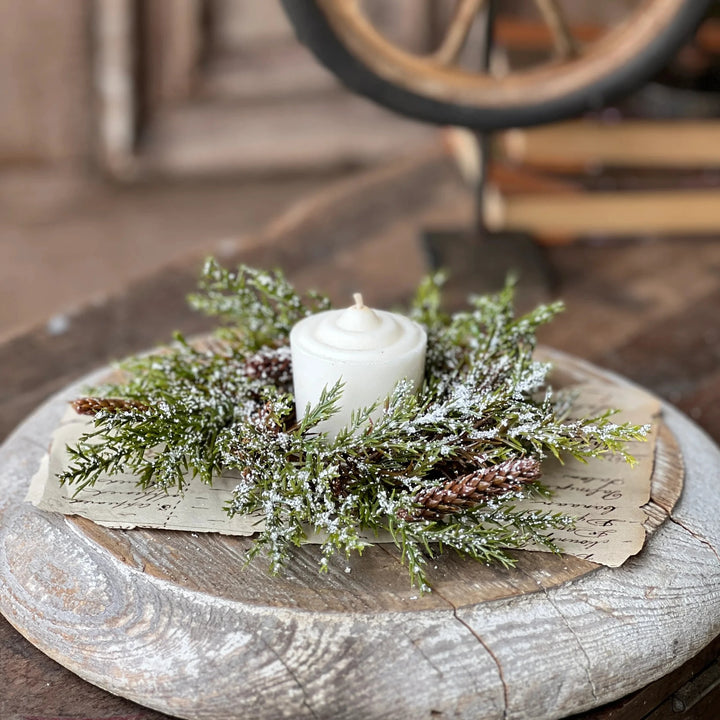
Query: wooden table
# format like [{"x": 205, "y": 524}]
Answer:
[{"x": 646, "y": 308}]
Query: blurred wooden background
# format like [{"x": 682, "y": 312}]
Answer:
[
  {"x": 134, "y": 131},
  {"x": 199, "y": 85}
]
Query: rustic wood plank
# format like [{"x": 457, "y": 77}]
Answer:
[
  {"x": 634, "y": 143},
  {"x": 623, "y": 214},
  {"x": 673, "y": 355},
  {"x": 617, "y": 293},
  {"x": 701, "y": 404}
]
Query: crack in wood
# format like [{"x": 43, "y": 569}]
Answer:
[
  {"x": 586, "y": 668},
  {"x": 415, "y": 643},
  {"x": 291, "y": 673},
  {"x": 588, "y": 664},
  {"x": 488, "y": 650},
  {"x": 700, "y": 538}
]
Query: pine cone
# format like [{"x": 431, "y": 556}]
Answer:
[
  {"x": 92, "y": 406},
  {"x": 342, "y": 483},
  {"x": 339, "y": 486},
  {"x": 472, "y": 489},
  {"x": 272, "y": 366},
  {"x": 263, "y": 420}
]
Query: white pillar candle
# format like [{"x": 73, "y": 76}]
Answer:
[{"x": 369, "y": 350}]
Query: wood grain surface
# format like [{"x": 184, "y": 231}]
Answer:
[
  {"x": 645, "y": 309},
  {"x": 172, "y": 621}
]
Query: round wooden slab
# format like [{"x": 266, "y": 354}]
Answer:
[{"x": 173, "y": 621}]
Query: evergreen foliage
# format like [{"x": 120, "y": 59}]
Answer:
[{"x": 198, "y": 409}]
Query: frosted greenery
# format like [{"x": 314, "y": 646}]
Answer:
[{"x": 198, "y": 409}]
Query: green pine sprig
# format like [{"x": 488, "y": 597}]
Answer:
[{"x": 257, "y": 307}]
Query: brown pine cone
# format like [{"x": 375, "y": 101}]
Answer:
[
  {"x": 342, "y": 484},
  {"x": 92, "y": 406},
  {"x": 271, "y": 365},
  {"x": 339, "y": 486},
  {"x": 263, "y": 420},
  {"x": 472, "y": 489}
]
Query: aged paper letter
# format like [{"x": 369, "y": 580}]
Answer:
[{"x": 605, "y": 495}]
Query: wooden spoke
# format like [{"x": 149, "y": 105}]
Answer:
[
  {"x": 565, "y": 45},
  {"x": 587, "y": 56},
  {"x": 456, "y": 35}
]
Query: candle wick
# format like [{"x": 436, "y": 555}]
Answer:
[{"x": 358, "y": 298}]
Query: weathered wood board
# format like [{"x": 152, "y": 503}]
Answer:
[{"x": 172, "y": 621}]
